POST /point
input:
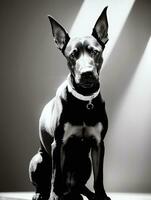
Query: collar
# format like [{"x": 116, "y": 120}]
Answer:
[{"x": 79, "y": 96}]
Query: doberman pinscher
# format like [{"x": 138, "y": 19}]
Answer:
[{"x": 73, "y": 124}]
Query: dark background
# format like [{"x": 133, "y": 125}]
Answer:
[{"x": 31, "y": 69}]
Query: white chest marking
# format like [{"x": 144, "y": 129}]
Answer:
[{"x": 82, "y": 131}]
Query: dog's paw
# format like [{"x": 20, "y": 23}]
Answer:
[
  {"x": 106, "y": 198},
  {"x": 72, "y": 196},
  {"x": 40, "y": 196},
  {"x": 102, "y": 197},
  {"x": 54, "y": 196}
]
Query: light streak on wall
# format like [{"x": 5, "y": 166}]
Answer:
[{"x": 90, "y": 11}]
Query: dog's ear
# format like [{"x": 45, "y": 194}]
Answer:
[
  {"x": 100, "y": 30},
  {"x": 61, "y": 37}
]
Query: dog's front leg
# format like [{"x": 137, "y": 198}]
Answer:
[
  {"x": 56, "y": 189},
  {"x": 97, "y": 155}
]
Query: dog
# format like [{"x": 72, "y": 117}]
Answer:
[{"x": 73, "y": 125}]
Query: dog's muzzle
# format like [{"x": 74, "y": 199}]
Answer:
[{"x": 88, "y": 79}]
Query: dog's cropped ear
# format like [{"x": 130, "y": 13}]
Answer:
[
  {"x": 61, "y": 37},
  {"x": 100, "y": 30}
]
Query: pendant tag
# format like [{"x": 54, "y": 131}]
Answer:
[{"x": 90, "y": 105}]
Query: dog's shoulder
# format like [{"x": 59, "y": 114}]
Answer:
[
  {"x": 62, "y": 91},
  {"x": 51, "y": 112}
]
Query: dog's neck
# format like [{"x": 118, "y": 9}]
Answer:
[{"x": 78, "y": 95}]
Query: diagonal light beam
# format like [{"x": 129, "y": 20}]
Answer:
[{"x": 90, "y": 11}]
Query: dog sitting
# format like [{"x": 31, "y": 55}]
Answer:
[{"x": 74, "y": 123}]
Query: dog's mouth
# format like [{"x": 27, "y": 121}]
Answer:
[
  {"x": 88, "y": 83},
  {"x": 86, "y": 86},
  {"x": 88, "y": 80}
]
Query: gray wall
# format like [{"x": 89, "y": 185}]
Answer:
[{"x": 31, "y": 69}]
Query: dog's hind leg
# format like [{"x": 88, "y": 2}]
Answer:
[
  {"x": 86, "y": 192},
  {"x": 40, "y": 174}
]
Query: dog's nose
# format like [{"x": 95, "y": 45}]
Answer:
[{"x": 87, "y": 75}]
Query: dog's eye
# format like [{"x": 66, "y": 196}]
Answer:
[
  {"x": 92, "y": 51},
  {"x": 74, "y": 54}
]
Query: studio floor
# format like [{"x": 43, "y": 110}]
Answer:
[{"x": 114, "y": 196}]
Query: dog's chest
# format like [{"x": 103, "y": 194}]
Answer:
[
  {"x": 80, "y": 123},
  {"x": 82, "y": 132}
]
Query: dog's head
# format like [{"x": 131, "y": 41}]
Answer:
[{"x": 84, "y": 55}]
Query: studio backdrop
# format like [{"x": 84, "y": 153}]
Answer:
[{"x": 32, "y": 68}]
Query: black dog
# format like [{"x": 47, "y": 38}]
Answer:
[{"x": 74, "y": 123}]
